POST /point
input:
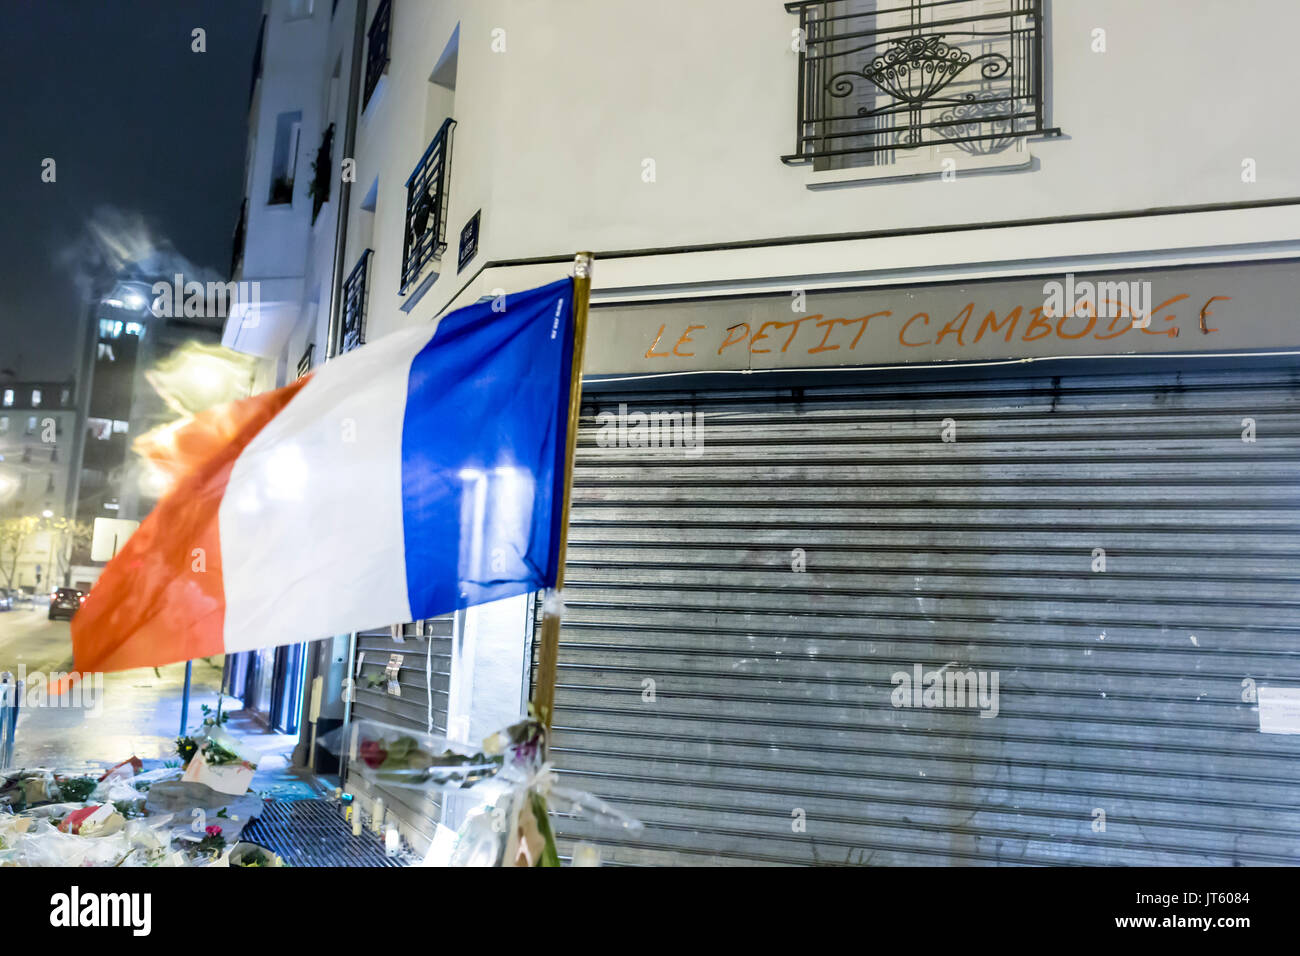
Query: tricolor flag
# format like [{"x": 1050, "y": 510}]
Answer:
[{"x": 413, "y": 476}]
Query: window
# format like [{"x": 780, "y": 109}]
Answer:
[
  {"x": 298, "y": 9},
  {"x": 31, "y": 425},
  {"x": 887, "y": 80},
  {"x": 284, "y": 161},
  {"x": 36, "y": 398},
  {"x": 304, "y": 363},
  {"x": 377, "y": 48},
  {"x": 426, "y": 208},
  {"x": 320, "y": 180},
  {"x": 9, "y": 397},
  {"x": 65, "y": 396},
  {"x": 354, "y": 305}
]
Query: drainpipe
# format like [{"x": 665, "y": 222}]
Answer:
[
  {"x": 324, "y": 649},
  {"x": 345, "y": 188}
]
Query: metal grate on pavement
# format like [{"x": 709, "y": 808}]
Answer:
[{"x": 314, "y": 833}]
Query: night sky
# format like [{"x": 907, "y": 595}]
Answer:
[{"x": 148, "y": 138}]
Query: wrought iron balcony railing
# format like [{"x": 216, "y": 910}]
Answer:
[
  {"x": 426, "y": 207},
  {"x": 304, "y": 363},
  {"x": 877, "y": 76},
  {"x": 377, "y": 49},
  {"x": 353, "y": 332}
]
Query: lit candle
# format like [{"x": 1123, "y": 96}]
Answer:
[{"x": 586, "y": 854}]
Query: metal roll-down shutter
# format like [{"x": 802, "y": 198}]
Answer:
[
  {"x": 771, "y": 735},
  {"x": 415, "y": 810}
]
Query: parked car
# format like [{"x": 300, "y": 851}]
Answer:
[
  {"x": 6, "y": 600},
  {"x": 65, "y": 602}
]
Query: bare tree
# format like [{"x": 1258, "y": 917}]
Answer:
[
  {"x": 74, "y": 538},
  {"x": 14, "y": 535}
]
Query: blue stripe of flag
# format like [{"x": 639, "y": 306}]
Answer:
[{"x": 483, "y": 444}]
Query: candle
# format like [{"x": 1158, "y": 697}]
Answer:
[
  {"x": 377, "y": 820},
  {"x": 586, "y": 854}
]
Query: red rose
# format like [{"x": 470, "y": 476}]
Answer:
[
  {"x": 372, "y": 753},
  {"x": 213, "y": 830}
]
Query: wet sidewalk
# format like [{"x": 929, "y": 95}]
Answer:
[{"x": 138, "y": 713}]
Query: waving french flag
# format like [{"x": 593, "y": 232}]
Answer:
[{"x": 413, "y": 476}]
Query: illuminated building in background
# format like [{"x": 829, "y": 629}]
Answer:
[
  {"x": 124, "y": 341},
  {"x": 37, "y": 427}
]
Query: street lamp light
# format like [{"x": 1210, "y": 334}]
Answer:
[{"x": 132, "y": 296}]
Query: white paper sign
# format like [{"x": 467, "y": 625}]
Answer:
[
  {"x": 227, "y": 778},
  {"x": 1279, "y": 710},
  {"x": 109, "y": 535}
]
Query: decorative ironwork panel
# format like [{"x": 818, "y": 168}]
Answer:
[
  {"x": 426, "y": 207},
  {"x": 877, "y": 76},
  {"x": 353, "y": 332},
  {"x": 377, "y": 49}
]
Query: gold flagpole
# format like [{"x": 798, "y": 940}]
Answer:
[{"x": 544, "y": 688}]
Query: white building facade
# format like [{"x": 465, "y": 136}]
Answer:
[{"x": 970, "y": 327}]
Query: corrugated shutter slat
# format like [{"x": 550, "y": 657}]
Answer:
[{"x": 416, "y": 811}]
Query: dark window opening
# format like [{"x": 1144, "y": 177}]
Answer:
[{"x": 377, "y": 48}]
